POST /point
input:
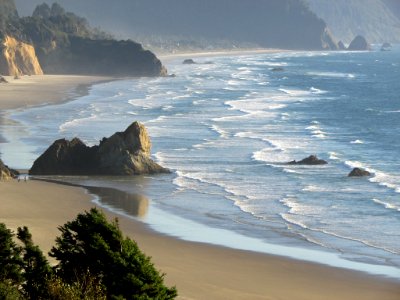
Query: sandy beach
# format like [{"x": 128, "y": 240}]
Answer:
[
  {"x": 199, "y": 271},
  {"x": 43, "y": 89}
]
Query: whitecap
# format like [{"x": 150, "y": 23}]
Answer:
[
  {"x": 386, "y": 205},
  {"x": 333, "y": 156},
  {"x": 357, "y": 142},
  {"x": 317, "y": 91},
  {"x": 76, "y": 122}
]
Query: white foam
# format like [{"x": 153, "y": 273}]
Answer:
[
  {"x": 295, "y": 93},
  {"x": 383, "y": 179},
  {"x": 223, "y": 133},
  {"x": 357, "y": 142},
  {"x": 386, "y": 205},
  {"x": 75, "y": 123},
  {"x": 317, "y": 91},
  {"x": 332, "y": 74},
  {"x": 334, "y": 156}
]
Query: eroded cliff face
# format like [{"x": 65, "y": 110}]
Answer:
[{"x": 18, "y": 58}]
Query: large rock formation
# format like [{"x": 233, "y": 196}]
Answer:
[
  {"x": 124, "y": 153},
  {"x": 18, "y": 58},
  {"x": 359, "y": 44},
  {"x": 6, "y": 173},
  {"x": 311, "y": 160}
]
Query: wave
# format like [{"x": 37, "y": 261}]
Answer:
[
  {"x": 334, "y": 156},
  {"x": 271, "y": 155},
  {"x": 383, "y": 179},
  {"x": 332, "y": 74},
  {"x": 223, "y": 133},
  {"x": 386, "y": 205},
  {"x": 75, "y": 122},
  {"x": 357, "y": 142}
]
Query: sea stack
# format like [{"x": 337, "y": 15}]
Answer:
[
  {"x": 359, "y": 44},
  {"x": 357, "y": 172},
  {"x": 311, "y": 160},
  {"x": 124, "y": 153}
]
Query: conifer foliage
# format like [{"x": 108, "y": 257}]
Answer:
[{"x": 95, "y": 261}]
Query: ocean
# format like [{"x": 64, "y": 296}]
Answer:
[{"x": 227, "y": 126}]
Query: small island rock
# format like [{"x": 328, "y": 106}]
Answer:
[
  {"x": 311, "y": 160},
  {"x": 359, "y": 44},
  {"x": 189, "y": 62},
  {"x": 357, "y": 172},
  {"x": 124, "y": 153}
]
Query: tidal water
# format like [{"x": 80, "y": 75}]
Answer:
[{"x": 228, "y": 125}]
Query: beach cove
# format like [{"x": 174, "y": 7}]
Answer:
[{"x": 199, "y": 270}]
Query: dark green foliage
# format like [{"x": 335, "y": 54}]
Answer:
[
  {"x": 96, "y": 262},
  {"x": 91, "y": 243},
  {"x": 10, "y": 258},
  {"x": 36, "y": 267}
]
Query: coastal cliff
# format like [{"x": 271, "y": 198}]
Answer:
[
  {"x": 18, "y": 58},
  {"x": 6, "y": 173},
  {"x": 124, "y": 153},
  {"x": 53, "y": 41}
]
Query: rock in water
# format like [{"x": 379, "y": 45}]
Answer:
[
  {"x": 189, "y": 62},
  {"x": 124, "y": 153},
  {"x": 311, "y": 160},
  {"x": 357, "y": 172},
  {"x": 359, "y": 44}
]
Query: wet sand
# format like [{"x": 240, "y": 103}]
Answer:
[{"x": 199, "y": 271}]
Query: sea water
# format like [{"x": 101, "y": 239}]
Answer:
[{"x": 228, "y": 125}]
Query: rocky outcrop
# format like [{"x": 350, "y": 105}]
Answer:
[
  {"x": 357, "y": 172},
  {"x": 341, "y": 46},
  {"x": 311, "y": 160},
  {"x": 6, "y": 173},
  {"x": 18, "y": 58},
  {"x": 124, "y": 153},
  {"x": 386, "y": 47},
  {"x": 359, "y": 44},
  {"x": 100, "y": 57},
  {"x": 189, "y": 61}
]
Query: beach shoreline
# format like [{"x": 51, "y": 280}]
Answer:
[{"x": 200, "y": 271}]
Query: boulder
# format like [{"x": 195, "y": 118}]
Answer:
[
  {"x": 189, "y": 62},
  {"x": 6, "y": 173},
  {"x": 3, "y": 80},
  {"x": 357, "y": 172},
  {"x": 359, "y": 44},
  {"x": 124, "y": 153},
  {"x": 311, "y": 160}
]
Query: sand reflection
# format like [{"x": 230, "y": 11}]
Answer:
[{"x": 132, "y": 204}]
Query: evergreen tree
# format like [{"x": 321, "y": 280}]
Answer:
[
  {"x": 10, "y": 258},
  {"x": 35, "y": 266},
  {"x": 92, "y": 244}
]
